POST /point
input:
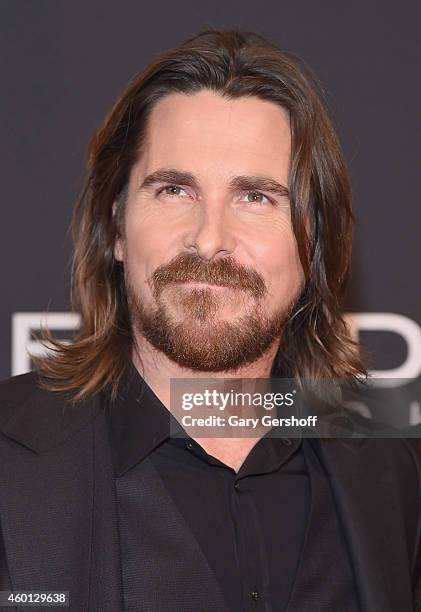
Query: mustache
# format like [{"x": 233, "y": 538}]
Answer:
[{"x": 223, "y": 272}]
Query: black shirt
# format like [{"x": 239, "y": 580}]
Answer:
[{"x": 250, "y": 525}]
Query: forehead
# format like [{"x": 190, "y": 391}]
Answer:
[{"x": 206, "y": 133}]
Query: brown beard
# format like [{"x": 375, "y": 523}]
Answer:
[{"x": 200, "y": 341}]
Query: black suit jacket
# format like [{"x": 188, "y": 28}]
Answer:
[{"x": 58, "y": 511}]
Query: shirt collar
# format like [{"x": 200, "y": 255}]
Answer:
[{"x": 138, "y": 421}]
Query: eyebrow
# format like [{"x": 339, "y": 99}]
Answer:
[{"x": 240, "y": 183}]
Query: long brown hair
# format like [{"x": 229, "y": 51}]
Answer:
[{"x": 316, "y": 342}]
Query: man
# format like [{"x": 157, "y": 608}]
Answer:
[{"x": 212, "y": 240}]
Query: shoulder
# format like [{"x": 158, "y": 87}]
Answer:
[
  {"x": 37, "y": 417},
  {"x": 20, "y": 384},
  {"x": 379, "y": 449},
  {"x": 15, "y": 391},
  {"x": 405, "y": 441}
]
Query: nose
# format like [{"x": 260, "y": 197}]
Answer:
[{"x": 210, "y": 234}]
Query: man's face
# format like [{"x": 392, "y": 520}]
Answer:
[{"x": 211, "y": 262}]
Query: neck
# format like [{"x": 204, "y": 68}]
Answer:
[{"x": 157, "y": 369}]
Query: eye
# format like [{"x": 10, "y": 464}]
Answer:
[
  {"x": 171, "y": 190},
  {"x": 257, "y": 197}
]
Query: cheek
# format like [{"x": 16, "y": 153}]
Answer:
[
  {"x": 141, "y": 252},
  {"x": 285, "y": 272},
  {"x": 146, "y": 231},
  {"x": 148, "y": 245}
]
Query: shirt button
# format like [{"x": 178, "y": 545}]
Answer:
[
  {"x": 255, "y": 595},
  {"x": 286, "y": 441},
  {"x": 237, "y": 486},
  {"x": 189, "y": 446}
]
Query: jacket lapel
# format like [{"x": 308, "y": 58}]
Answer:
[
  {"x": 366, "y": 484},
  {"x": 106, "y": 575}
]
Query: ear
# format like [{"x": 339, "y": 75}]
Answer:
[{"x": 118, "y": 244}]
